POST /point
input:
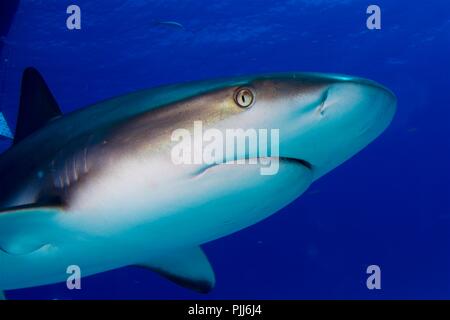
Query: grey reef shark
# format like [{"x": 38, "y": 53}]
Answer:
[{"x": 99, "y": 188}]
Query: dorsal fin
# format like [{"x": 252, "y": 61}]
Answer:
[{"x": 37, "y": 105}]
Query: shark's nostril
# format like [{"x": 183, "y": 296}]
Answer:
[{"x": 321, "y": 109}]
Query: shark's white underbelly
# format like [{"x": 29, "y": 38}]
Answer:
[{"x": 121, "y": 232}]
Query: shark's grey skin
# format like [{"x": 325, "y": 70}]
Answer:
[{"x": 97, "y": 187}]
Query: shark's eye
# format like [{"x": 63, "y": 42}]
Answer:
[{"x": 244, "y": 97}]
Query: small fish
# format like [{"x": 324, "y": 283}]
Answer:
[{"x": 170, "y": 24}]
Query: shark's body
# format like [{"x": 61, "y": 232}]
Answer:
[{"x": 98, "y": 188}]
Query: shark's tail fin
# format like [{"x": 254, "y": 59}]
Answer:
[{"x": 5, "y": 131}]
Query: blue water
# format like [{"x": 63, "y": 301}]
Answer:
[{"x": 389, "y": 205}]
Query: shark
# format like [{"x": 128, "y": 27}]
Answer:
[{"x": 98, "y": 188}]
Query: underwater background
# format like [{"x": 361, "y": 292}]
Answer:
[{"x": 389, "y": 205}]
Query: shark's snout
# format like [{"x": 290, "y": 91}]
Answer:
[
  {"x": 384, "y": 105},
  {"x": 363, "y": 106},
  {"x": 347, "y": 114}
]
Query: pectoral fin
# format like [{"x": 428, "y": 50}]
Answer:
[
  {"x": 24, "y": 230},
  {"x": 190, "y": 269}
]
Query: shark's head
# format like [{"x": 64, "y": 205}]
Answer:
[{"x": 322, "y": 119}]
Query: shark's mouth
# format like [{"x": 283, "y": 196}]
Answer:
[
  {"x": 298, "y": 161},
  {"x": 259, "y": 160}
]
